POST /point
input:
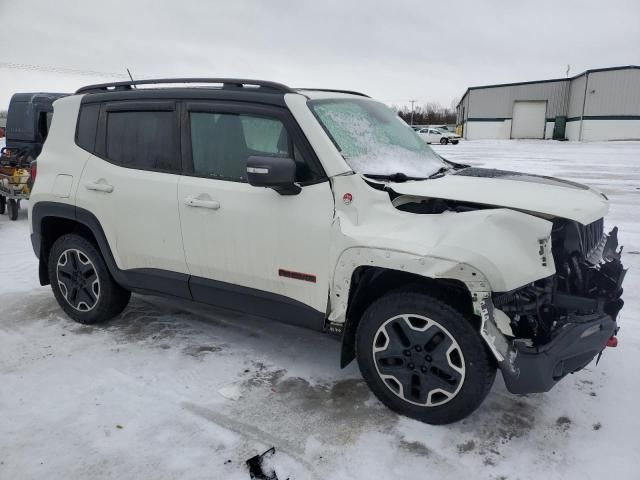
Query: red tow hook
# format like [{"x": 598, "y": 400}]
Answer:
[{"x": 612, "y": 342}]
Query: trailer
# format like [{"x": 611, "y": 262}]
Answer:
[
  {"x": 15, "y": 180},
  {"x": 28, "y": 122}
]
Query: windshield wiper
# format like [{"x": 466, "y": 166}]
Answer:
[
  {"x": 397, "y": 177},
  {"x": 439, "y": 173}
]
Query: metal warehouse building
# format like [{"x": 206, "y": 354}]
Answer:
[{"x": 599, "y": 104}]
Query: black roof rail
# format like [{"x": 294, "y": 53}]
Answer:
[
  {"x": 227, "y": 83},
  {"x": 331, "y": 90}
]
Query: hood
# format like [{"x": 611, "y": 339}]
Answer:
[{"x": 545, "y": 196}]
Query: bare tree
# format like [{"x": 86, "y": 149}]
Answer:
[{"x": 431, "y": 113}]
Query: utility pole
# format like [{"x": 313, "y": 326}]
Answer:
[{"x": 412, "y": 102}]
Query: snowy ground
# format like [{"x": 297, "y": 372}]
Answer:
[{"x": 170, "y": 391}]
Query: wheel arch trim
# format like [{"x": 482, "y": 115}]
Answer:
[
  {"x": 42, "y": 210},
  {"x": 428, "y": 267}
]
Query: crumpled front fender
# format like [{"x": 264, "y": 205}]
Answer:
[
  {"x": 510, "y": 248},
  {"x": 501, "y": 248}
]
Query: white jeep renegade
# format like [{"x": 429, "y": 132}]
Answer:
[{"x": 324, "y": 209}]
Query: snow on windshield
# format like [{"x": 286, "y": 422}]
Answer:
[{"x": 373, "y": 139}]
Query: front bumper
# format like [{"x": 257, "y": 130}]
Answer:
[{"x": 538, "y": 369}]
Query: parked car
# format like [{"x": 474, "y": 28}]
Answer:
[
  {"x": 437, "y": 135},
  {"x": 323, "y": 209}
]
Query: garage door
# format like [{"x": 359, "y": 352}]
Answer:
[{"x": 528, "y": 119}]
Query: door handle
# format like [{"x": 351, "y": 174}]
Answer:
[
  {"x": 99, "y": 187},
  {"x": 196, "y": 202}
]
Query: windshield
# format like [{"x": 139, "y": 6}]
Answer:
[{"x": 373, "y": 139}]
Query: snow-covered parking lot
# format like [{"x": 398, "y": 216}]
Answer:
[{"x": 181, "y": 391}]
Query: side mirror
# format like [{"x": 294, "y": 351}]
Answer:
[{"x": 278, "y": 173}]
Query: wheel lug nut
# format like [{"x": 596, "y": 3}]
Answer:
[
  {"x": 418, "y": 348},
  {"x": 411, "y": 366},
  {"x": 428, "y": 358},
  {"x": 407, "y": 353},
  {"x": 423, "y": 369}
]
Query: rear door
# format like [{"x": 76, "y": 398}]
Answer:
[
  {"x": 130, "y": 184},
  {"x": 250, "y": 248}
]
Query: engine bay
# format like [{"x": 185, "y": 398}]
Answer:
[{"x": 588, "y": 280}]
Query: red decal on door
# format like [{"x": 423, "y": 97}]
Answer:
[{"x": 297, "y": 275}]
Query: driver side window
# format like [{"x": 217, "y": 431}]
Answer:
[{"x": 221, "y": 143}]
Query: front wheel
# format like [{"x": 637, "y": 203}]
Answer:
[
  {"x": 422, "y": 358},
  {"x": 444, "y": 141},
  {"x": 455, "y": 142},
  {"x": 3, "y": 204},
  {"x": 82, "y": 283}
]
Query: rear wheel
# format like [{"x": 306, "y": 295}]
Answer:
[
  {"x": 13, "y": 209},
  {"x": 444, "y": 140},
  {"x": 455, "y": 142},
  {"x": 3, "y": 204},
  {"x": 82, "y": 283},
  {"x": 422, "y": 358}
]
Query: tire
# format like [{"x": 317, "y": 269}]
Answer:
[
  {"x": 76, "y": 265},
  {"x": 412, "y": 342},
  {"x": 455, "y": 142},
  {"x": 444, "y": 141},
  {"x": 13, "y": 209},
  {"x": 3, "y": 204}
]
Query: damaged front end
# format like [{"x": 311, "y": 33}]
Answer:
[{"x": 560, "y": 323}]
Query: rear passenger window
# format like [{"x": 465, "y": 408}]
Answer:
[
  {"x": 87, "y": 126},
  {"x": 143, "y": 139},
  {"x": 222, "y": 142}
]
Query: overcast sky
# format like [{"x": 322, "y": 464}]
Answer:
[{"x": 393, "y": 50}]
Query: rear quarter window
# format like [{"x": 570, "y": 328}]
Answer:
[{"x": 87, "y": 126}]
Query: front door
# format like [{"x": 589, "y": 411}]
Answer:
[
  {"x": 434, "y": 136},
  {"x": 250, "y": 248}
]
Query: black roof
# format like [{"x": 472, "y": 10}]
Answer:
[
  {"x": 187, "y": 94},
  {"x": 226, "y": 88},
  {"x": 226, "y": 83}
]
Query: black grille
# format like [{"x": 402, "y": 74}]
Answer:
[{"x": 591, "y": 235}]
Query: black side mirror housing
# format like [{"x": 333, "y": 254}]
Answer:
[{"x": 278, "y": 173}]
